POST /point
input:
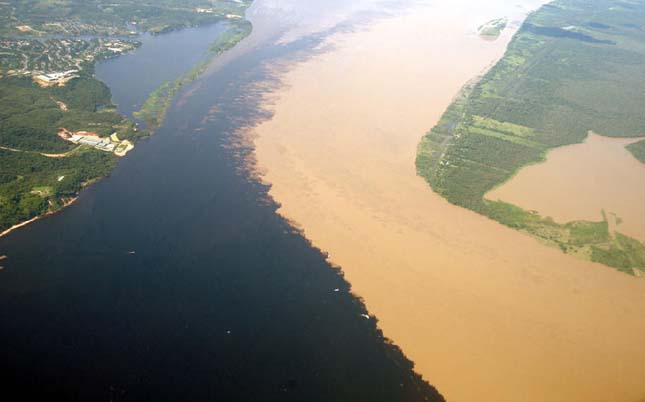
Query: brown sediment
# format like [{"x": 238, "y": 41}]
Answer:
[
  {"x": 579, "y": 181},
  {"x": 486, "y": 313}
]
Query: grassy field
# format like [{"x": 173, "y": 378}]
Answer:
[{"x": 574, "y": 66}]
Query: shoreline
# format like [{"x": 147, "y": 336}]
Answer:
[
  {"x": 484, "y": 143},
  {"x": 217, "y": 49},
  {"x": 36, "y": 218},
  {"x": 509, "y": 190},
  {"x": 19, "y": 225},
  {"x": 154, "y": 109},
  {"x": 456, "y": 291}
]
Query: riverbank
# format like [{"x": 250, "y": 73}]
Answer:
[
  {"x": 247, "y": 308},
  {"x": 154, "y": 109},
  {"x": 591, "y": 181},
  {"x": 484, "y": 312},
  {"x": 497, "y": 129},
  {"x": 89, "y": 112},
  {"x": 66, "y": 204}
]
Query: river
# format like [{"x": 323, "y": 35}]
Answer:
[
  {"x": 580, "y": 181},
  {"x": 486, "y": 313},
  {"x": 160, "y": 59},
  {"x": 184, "y": 277},
  {"x": 174, "y": 279}
]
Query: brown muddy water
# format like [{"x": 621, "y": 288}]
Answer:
[
  {"x": 481, "y": 309},
  {"x": 579, "y": 181}
]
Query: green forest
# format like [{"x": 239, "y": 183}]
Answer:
[
  {"x": 108, "y": 17},
  {"x": 574, "y": 66},
  {"x": 40, "y": 171},
  {"x": 638, "y": 150},
  {"x": 31, "y": 182}
]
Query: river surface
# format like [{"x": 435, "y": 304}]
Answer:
[
  {"x": 485, "y": 312},
  {"x": 174, "y": 279},
  {"x": 578, "y": 182},
  {"x": 161, "y": 58}
]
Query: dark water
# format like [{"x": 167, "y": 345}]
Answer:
[
  {"x": 160, "y": 59},
  {"x": 221, "y": 300}
]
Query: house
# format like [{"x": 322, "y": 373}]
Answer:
[{"x": 52, "y": 79}]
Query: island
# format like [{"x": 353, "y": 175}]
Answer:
[
  {"x": 492, "y": 29},
  {"x": 573, "y": 67},
  {"x": 59, "y": 130}
]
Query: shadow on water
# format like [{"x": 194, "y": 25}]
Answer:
[
  {"x": 174, "y": 279},
  {"x": 161, "y": 58}
]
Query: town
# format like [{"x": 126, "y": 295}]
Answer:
[{"x": 55, "y": 61}]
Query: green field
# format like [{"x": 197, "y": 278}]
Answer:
[{"x": 574, "y": 66}]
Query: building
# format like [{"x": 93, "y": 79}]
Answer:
[{"x": 52, "y": 79}]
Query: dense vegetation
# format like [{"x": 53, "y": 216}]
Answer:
[
  {"x": 638, "y": 150},
  {"x": 154, "y": 109},
  {"x": 75, "y": 17},
  {"x": 492, "y": 29},
  {"x": 574, "y": 66},
  {"x": 32, "y": 184},
  {"x": 30, "y": 116},
  {"x": 38, "y": 169}
]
